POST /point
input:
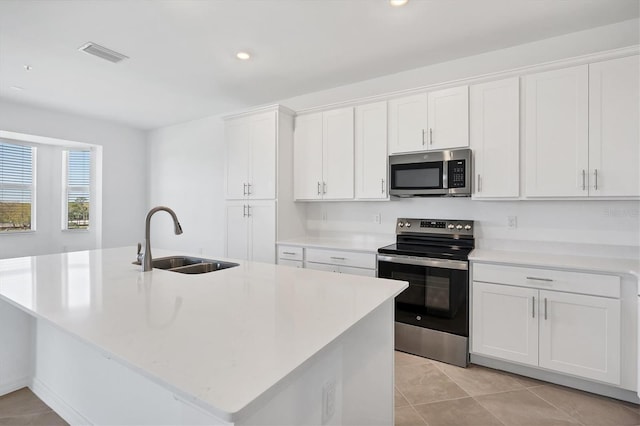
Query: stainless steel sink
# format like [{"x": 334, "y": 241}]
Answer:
[{"x": 190, "y": 265}]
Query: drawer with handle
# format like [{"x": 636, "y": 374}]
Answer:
[
  {"x": 548, "y": 279},
  {"x": 290, "y": 252},
  {"x": 342, "y": 258}
]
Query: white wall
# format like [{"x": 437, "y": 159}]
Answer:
[
  {"x": 186, "y": 173},
  {"x": 124, "y": 179},
  {"x": 558, "y": 224}
]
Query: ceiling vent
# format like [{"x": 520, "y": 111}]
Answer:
[{"x": 103, "y": 52}]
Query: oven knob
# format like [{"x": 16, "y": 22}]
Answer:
[
  {"x": 467, "y": 227},
  {"x": 400, "y": 224},
  {"x": 451, "y": 226},
  {"x": 419, "y": 318},
  {"x": 458, "y": 227},
  {"x": 407, "y": 225}
]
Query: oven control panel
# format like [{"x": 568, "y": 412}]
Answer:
[{"x": 434, "y": 226}]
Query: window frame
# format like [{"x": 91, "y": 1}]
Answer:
[
  {"x": 31, "y": 187},
  {"x": 66, "y": 188}
]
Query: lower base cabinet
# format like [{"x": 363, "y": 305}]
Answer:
[
  {"x": 340, "y": 261},
  {"x": 570, "y": 333},
  {"x": 341, "y": 269}
]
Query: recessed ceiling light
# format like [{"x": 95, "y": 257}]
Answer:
[
  {"x": 398, "y": 3},
  {"x": 18, "y": 88},
  {"x": 28, "y": 67},
  {"x": 243, "y": 56}
]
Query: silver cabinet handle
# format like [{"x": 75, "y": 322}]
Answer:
[
  {"x": 545, "y": 308},
  {"x": 244, "y": 189},
  {"x": 338, "y": 258},
  {"x": 249, "y": 188},
  {"x": 382, "y": 185},
  {"x": 244, "y": 210},
  {"x": 479, "y": 188},
  {"x": 430, "y": 136},
  {"x": 248, "y": 210},
  {"x": 422, "y": 137},
  {"x": 596, "y": 175},
  {"x": 324, "y": 187},
  {"x": 540, "y": 279},
  {"x": 290, "y": 253},
  {"x": 533, "y": 307},
  {"x": 583, "y": 180},
  {"x": 318, "y": 187}
]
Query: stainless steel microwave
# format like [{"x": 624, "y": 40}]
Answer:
[{"x": 434, "y": 173}]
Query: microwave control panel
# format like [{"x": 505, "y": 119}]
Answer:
[{"x": 456, "y": 173}]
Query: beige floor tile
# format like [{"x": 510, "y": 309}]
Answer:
[
  {"x": 457, "y": 412},
  {"x": 21, "y": 402},
  {"x": 407, "y": 416},
  {"x": 476, "y": 380},
  {"x": 399, "y": 400},
  {"x": 424, "y": 383},
  {"x": 523, "y": 408},
  {"x": 402, "y": 358},
  {"x": 589, "y": 409},
  {"x": 43, "y": 419}
]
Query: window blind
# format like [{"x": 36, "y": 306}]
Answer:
[
  {"x": 78, "y": 189},
  {"x": 16, "y": 187}
]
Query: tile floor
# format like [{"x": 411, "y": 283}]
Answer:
[{"x": 436, "y": 394}]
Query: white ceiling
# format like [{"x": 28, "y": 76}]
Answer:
[{"x": 182, "y": 52}]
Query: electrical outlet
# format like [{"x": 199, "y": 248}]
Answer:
[
  {"x": 512, "y": 222},
  {"x": 328, "y": 401},
  {"x": 377, "y": 218}
]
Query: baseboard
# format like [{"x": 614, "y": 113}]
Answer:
[
  {"x": 558, "y": 379},
  {"x": 14, "y": 385},
  {"x": 57, "y": 404}
]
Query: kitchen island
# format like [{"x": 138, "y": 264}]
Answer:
[{"x": 104, "y": 343}]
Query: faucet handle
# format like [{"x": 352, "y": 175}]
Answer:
[{"x": 139, "y": 256}]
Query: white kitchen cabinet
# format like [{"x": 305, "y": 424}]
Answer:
[
  {"x": 505, "y": 322},
  {"x": 495, "y": 138},
  {"x": 251, "y": 156},
  {"x": 324, "y": 155},
  {"x": 564, "y": 321},
  {"x": 580, "y": 335},
  {"x": 407, "y": 123},
  {"x": 614, "y": 129},
  {"x": 251, "y": 231},
  {"x": 556, "y": 133},
  {"x": 448, "y": 118},
  {"x": 371, "y": 151}
]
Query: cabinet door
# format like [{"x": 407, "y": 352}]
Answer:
[
  {"x": 614, "y": 129},
  {"x": 237, "y": 244},
  {"x": 263, "y": 231},
  {"x": 556, "y": 138},
  {"x": 407, "y": 123},
  {"x": 337, "y": 160},
  {"x": 505, "y": 322},
  {"x": 448, "y": 118},
  {"x": 371, "y": 151},
  {"x": 495, "y": 138},
  {"x": 262, "y": 156},
  {"x": 308, "y": 157},
  {"x": 237, "y": 165},
  {"x": 580, "y": 335}
]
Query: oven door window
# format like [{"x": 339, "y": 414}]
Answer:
[
  {"x": 437, "y": 298},
  {"x": 417, "y": 175}
]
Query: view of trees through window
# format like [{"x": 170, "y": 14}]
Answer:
[
  {"x": 16, "y": 187},
  {"x": 78, "y": 187}
]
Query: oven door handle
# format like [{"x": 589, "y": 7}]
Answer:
[{"x": 461, "y": 265}]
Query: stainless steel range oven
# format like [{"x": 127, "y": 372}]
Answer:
[{"x": 432, "y": 314}]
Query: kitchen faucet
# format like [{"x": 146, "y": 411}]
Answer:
[{"x": 146, "y": 257}]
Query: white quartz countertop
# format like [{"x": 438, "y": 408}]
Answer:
[
  {"x": 220, "y": 339},
  {"x": 370, "y": 245},
  {"x": 584, "y": 263}
]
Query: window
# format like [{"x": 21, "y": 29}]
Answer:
[
  {"x": 77, "y": 189},
  {"x": 16, "y": 187}
]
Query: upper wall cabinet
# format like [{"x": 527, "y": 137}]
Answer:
[
  {"x": 495, "y": 138},
  {"x": 556, "y": 133},
  {"x": 251, "y": 156},
  {"x": 614, "y": 129},
  {"x": 407, "y": 124},
  {"x": 371, "y": 151},
  {"x": 448, "y": 118},
  {"x": 324, "y": 155}
]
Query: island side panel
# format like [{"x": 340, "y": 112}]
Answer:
[
  {"x": 16, "y": 346},
  {"x": 349, "y": 382}
]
